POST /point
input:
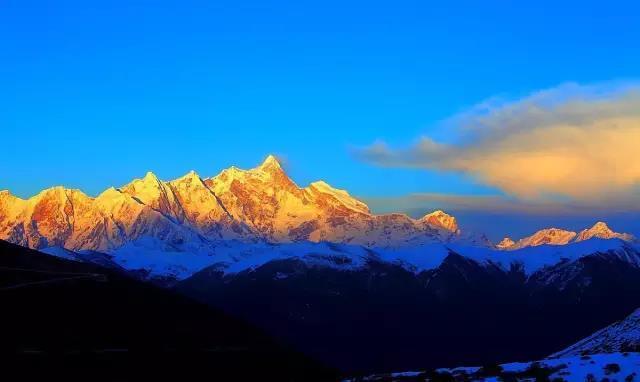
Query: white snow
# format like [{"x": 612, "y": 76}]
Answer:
[
  {"x": 158, "y": 259},
  {"x": 407, "y": 374},
  {"x": 251, "y": 256},
  {"x": 60, "y": 252},
  {"x": 570, "y": 369},
  {"x": 535, "y": 258},
  {"x": 181, "y": 261}
]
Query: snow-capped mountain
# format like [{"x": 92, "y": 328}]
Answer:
[
  {"x": 621, "y": 336},
  {"x": 248, "y": 205},
  {"x": 557, "y": 236},
  {"x": 175, "y": 228}
]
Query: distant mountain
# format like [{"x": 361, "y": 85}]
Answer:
[
  {"x": 433, "y": 305},
  {"x": 621, "y": 336},
  {"x": 76, "y": 321},
  {"x": 557, "y": 236}
]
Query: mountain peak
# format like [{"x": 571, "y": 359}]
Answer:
[
  {"x": 150, "y": 177},
  {"x": 442, "y": 220},
  {"x": 190, "y": 176},
  {"x": 602, "y": 231},
  {"x": 109, "y": 193},
  {"x": 557, "y": 236},
  {"x": 547, "y": 236},
  {"x": 506, "y": 242},
  {"x": 52, "y": 192},
  {"x": 600, "y": 226},
  {"x": 270, "y": 164}
]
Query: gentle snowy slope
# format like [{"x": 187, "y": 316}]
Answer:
[{"x": 597, "y": 367}]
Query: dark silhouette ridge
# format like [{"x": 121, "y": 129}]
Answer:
[{"x": 76, "y": 321}]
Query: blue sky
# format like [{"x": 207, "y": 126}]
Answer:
[{"x": 94, "y": 95}]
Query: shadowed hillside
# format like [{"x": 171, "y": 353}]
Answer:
[{"x": 80, "y": 321}]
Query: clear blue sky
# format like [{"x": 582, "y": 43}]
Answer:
[{"x": 94, "y": 95}]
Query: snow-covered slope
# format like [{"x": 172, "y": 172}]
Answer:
[
  {"x": 235, "y": 257},
  {"x": 621, "y": 336},
  {"x": 597, "y": 367}
]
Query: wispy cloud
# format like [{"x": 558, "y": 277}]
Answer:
[
  {"x": 571, "y": 143},
  {"x": 420, "y": 203}
]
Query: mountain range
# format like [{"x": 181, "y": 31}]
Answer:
[
  {"x": 258, "y": 204},
  {"x": 557, "y": 236},
  {"x": 196, "y": 215},
  {"x": 316, "y": 268}
]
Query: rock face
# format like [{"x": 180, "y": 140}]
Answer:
[
  {"x": 258, "y": 204},
  {"x": 557, "y": 236}
]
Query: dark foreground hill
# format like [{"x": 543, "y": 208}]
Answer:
[
  {"x": 382, "y": 317},
  {"x": 64, "y": 319}
]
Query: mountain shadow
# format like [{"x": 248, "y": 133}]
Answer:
[{"x": 75, "y": 321}]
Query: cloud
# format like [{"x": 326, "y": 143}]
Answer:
[
  {"x": 418, "y": 204},
  {"x": 573, "y": 142}
]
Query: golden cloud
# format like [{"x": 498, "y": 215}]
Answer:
[{"x": 575, "y": 142}]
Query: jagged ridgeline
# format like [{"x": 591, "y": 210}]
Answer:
[{"x": 258, "y": 204}]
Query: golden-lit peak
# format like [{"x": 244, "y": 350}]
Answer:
[
  {"x": 190, "y": 176},
  {"x": 270, "y": 163},
  {"x": 6, "y": 194},
  {"x": 441, "y": 219},
  {"x": 505, "y": 243},
  {"x": 109, "y": 193},
  {"x": 150, "y": 177},
  {"x": 600, "y": 226},
  {"x": 52, "y": 191}
]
